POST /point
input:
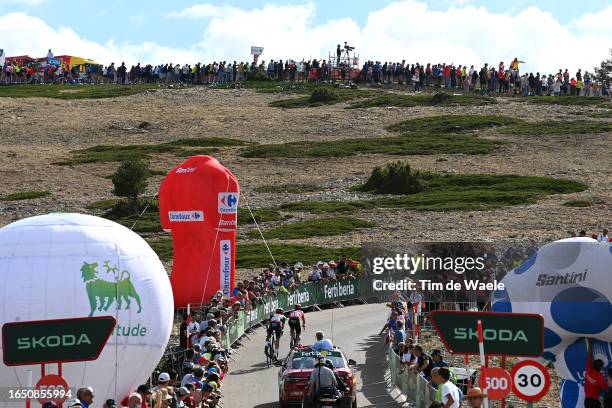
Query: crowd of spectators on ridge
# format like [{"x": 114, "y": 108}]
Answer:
[{"x": 501, "y": 78}]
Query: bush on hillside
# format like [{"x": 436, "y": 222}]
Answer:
[
  {"x": 323, "y": 95},
  {"x": 394, "y": 178}
]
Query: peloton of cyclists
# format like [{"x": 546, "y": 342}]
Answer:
[{"x": 295, "y": 316}]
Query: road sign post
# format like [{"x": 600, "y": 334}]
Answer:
[
  {"x": 482, "y": 361},
  {"x": 509, "y": 334}
]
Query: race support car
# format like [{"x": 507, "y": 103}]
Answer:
[{"x": 296, "y": 369}]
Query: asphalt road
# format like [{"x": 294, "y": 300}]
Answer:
[{"x": 251, "y": 384}]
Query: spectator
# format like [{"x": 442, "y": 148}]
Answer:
[
  {"x": 594, "y": 381},
  {"x": 134, "y": 400},
  {"x": 399, "y": 336},
  {"x": 438, "y": 360},
  {"x": 450, "y": 395},
  {"x": 182, "y": 394},
  {"x": 475, "y": 397},
  {"x": 406, "y": 353},
  {"x": 603, "y": 237},
  {"x": 145, "y": 397},
  {"x": 423, "y": 363},
  {"x": 322, "y": 343},
  {"x": 110, "y": 403},
  {"x": 85, "y": 395},
  {"x": 162, "y": 391},
  {"x": 183, "y": 332}
]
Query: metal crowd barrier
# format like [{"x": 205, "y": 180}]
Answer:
[{"x": 413, "y": 386}]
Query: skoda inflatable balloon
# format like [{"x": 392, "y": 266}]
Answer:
[
  {"x": 568, "y": 282},
  {"x": 62, "y": 266}
]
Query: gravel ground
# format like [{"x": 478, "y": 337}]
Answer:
[{"x": 37, "y": 132}]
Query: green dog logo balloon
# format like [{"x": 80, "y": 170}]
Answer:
[{"x": 102, "y": 293}]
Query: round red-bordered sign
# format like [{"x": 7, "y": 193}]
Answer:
[
  {"x": 497, "y": 382},
  {"x": 530, "y": 380},
  {"x": 54, "y": 388}
]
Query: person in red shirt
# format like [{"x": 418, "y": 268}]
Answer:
[
  {"x": 145, "y": 395},
  {"x": 594, "y": 381}
]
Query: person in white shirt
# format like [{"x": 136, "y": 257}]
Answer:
[
  {"x": 449, "y": 392},
  {"x": 603, "y": 237}
]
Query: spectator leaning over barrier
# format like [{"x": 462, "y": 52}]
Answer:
[
  {"x": 406, "y": 353},
  {"x": 423, "y": 363},
  {"x": 399, "y": 336}
]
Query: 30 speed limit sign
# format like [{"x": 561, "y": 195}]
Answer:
[{"x": 530, "y": 380}]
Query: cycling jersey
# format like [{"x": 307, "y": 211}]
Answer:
[
  {"x": 277, "y": 319},
  {"x": 297, "y": 314}
]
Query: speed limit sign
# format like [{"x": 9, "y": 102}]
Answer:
[
  {"x": 496, "y": 381},
  {"x": 530, "y": 380}
]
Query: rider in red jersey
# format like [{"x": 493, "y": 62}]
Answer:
[{"x": 295, "y": 316}]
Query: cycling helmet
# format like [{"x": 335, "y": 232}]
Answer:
[
  {"x": 297, "y": 306},
  {"x": 328, "y": 363},
  {"x": 279, "y": 310}
]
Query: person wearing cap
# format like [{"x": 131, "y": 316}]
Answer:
[
  {"x": 297, "y": 272},
  {"x": 110, "y": 403},
  {"x": 331, "y": 273},
  {"x": 474, "y": 397},
  {"x": 438, "y": 360},
  {"x": 162, "y": 390},
  {"x": 322, "y": 379},
  {"x": 73, "y": 403},
  {"x": 134, "y": 400},
  {"x": 85, "y": 395},
  {"x": 181, "y": 395}
]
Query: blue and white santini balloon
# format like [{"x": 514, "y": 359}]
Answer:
[
  {"x": 568, "y": 282},
  {"x": 61, "y": 266}
]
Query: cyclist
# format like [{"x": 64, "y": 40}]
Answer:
[
  {"x": 276, "y": 324},
  {"x": 295, "y": 316}
]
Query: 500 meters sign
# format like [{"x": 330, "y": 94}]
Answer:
[
  {"x": 506, "y": 334},
  {"x": 55, "y": 341}
]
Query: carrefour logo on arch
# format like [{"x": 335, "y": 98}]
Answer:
[
  {"x": 186, "y": 216},
  {"x": 228, "y": 203}
]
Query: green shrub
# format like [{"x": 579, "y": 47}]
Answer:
[
  {"x": 130, "y": 180},
  {"x": 25, "y": 195},
  {"x": 323, "y": 95},
  {"x": 393, "y": 178},
  {"x": 440, "y": 98}
]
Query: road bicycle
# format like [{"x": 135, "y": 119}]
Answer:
[{"x": 270, "y": 350}]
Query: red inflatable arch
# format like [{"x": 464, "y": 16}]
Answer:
[{"x": 198, "y": 203}]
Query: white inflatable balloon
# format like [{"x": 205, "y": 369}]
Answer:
[
  {"x": 568, "y": 282},
  {"x": 57, "y": 266}
]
